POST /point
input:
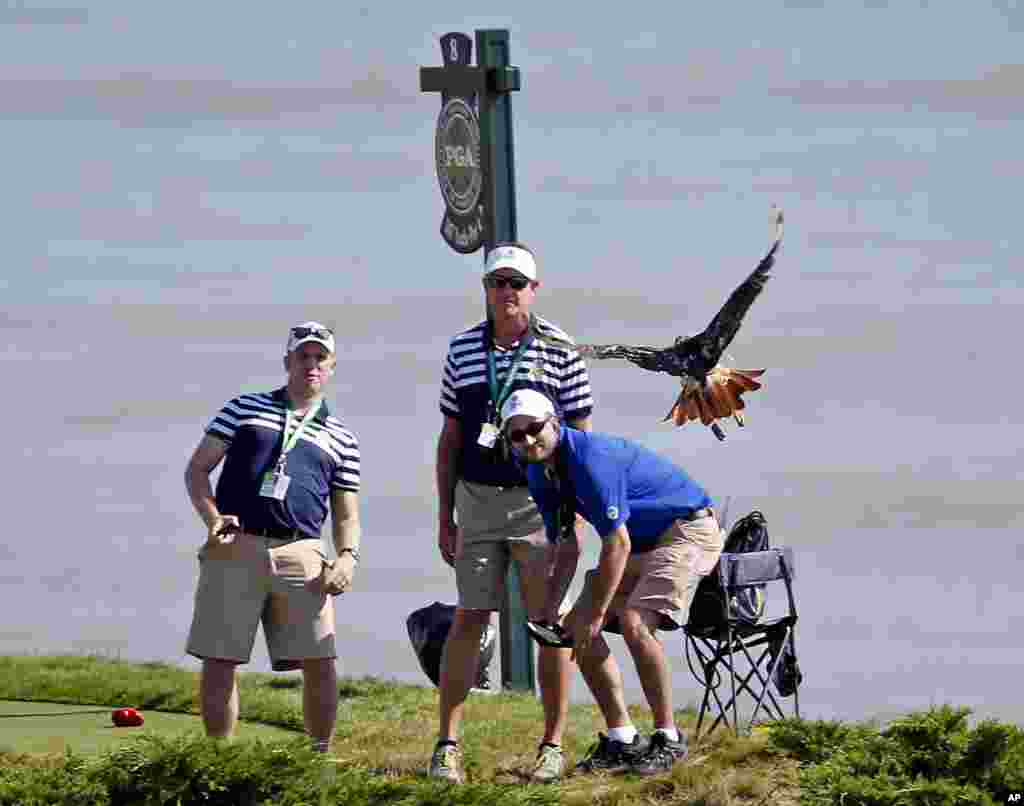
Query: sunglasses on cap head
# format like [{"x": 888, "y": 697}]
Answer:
[
  {"x": 317, "y": 332},
  {"x": 532, "y": 430},
  {"x": 515, "y": 283}
]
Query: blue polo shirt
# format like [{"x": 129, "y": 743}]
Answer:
[
  {"x": 325, "y": 457},
  {"x": 617, "y": 482}
]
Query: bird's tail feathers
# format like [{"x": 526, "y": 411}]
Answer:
[{"x": 719, "y": 397}]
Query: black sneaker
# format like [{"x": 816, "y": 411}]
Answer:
[
  {"x": 662, "y": 753},
  {"x": 609, "y": 755}
]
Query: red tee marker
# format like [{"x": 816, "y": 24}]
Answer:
[{"x": 126, "y": 718}]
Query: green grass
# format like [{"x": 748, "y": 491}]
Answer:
[
  {"x": 40, "y": 727},
  {"x": 88, "y": 680},
  {"x": 385, "y": 734},
  {"x": 386, "y": 731}
]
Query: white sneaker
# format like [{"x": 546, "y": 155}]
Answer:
[
  {"x": 549, "y": 766},
  {"x": 446, "y": 764}
]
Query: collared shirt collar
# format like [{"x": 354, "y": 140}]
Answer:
[{"x": 281, "y": 396}]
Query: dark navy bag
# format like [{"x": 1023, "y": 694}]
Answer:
[
  {"x": 749, "y": 533},
  {"x": 428, "y": 630}
]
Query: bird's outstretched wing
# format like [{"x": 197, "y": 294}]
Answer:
[
  {"x": 712, "y": 343},
  {"x": 697, "y": 355},
  {"x": 710, "y": 392},
  {"x": 651, "y": 358},
  {"x": 656, "y": 359}
]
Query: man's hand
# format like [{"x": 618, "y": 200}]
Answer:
[
  {"x": 449, "y": 542},
  {"x": 563, "y": 557},
  {"x": 610, "y": 567},
  {"x": 336, "y": 575},
  {"x": 222, "y": 530}
]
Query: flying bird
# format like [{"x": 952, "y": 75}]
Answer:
[{"x": 710, "y": 391}]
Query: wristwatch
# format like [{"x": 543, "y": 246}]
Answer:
[{"x": 353, "y": 551}]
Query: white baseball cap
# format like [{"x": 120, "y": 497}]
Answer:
[
  {"x": 310, "y": 331},
  {"x": 527, "y": 402},
  {"x": 511, "y": 257}
]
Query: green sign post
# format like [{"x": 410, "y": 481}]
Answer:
[{"x": 476, "y": 172}]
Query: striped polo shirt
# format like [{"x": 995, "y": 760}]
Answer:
[
  {"x": 551, "y": 368},
  {"x": 325, "y": 457}
]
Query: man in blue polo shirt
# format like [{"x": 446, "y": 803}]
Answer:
[
  {"x": 287, "y": 459},
  {"x": 659, "y": 537}
]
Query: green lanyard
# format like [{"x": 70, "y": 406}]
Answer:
[
  {"x": 288, "y": 442},
  {"x": 498, "y": 398}
]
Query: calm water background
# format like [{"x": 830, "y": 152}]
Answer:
[{"x": 181, "y": 185}]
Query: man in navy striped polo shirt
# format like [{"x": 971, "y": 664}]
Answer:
[
  {"x": 287, "y": 459},
  {"x": 486, "y": 516}
]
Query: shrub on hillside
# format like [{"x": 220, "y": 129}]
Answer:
[
  {"x": 932, "y": 757},
  {"x": 45, "y": 784},
  {"x": 195, "y": 770}
]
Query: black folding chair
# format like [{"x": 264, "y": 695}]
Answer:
[{"x": 748, "y": 654}]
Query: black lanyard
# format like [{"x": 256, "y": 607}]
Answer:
[{"x": 565, "y": 513}]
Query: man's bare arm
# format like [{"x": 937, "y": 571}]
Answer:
[
  {"x": 207, "y": 455},
  {"x": 449, "y": 445},
  {"x": 610, "y": 567},
  {"x": 346, "y": 530},
  {"x": 346, "y": 534}
]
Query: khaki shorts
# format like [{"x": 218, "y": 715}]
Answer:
[
  {"x": 495, "y": 523},
  {"x": 665, "y": 578},
  {"x": 254, "y": 579}
]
